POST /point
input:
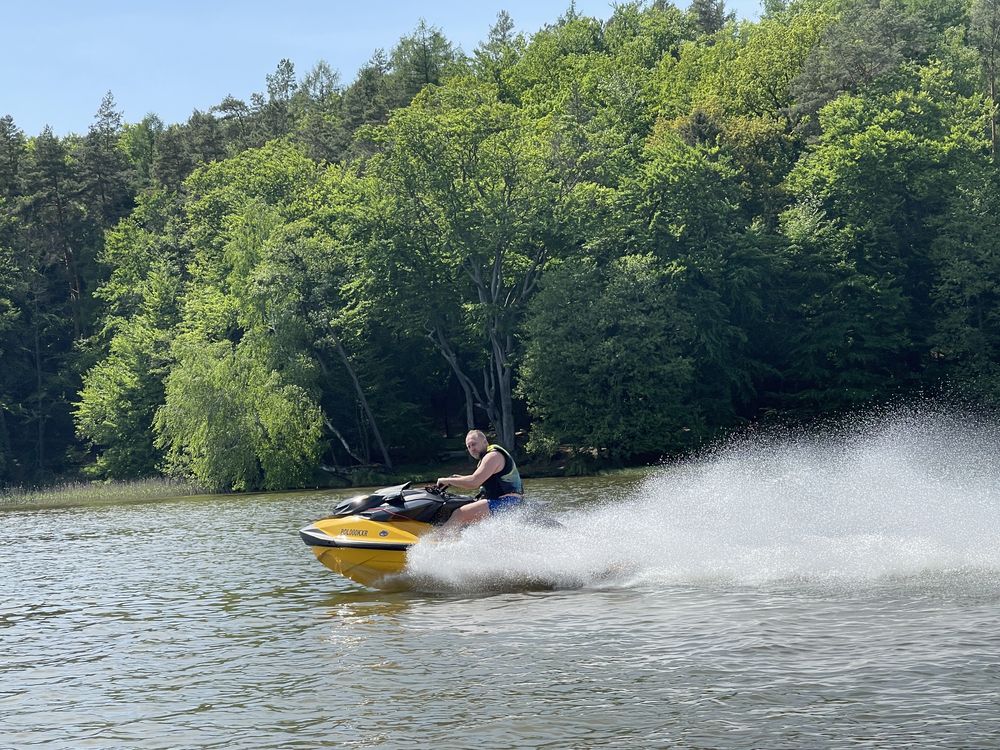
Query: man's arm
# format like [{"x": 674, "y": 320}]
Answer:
[{"x": 490, "y": 465}]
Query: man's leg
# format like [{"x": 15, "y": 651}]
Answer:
[{"x": 467, "y": 514}]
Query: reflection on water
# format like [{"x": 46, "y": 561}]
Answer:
[
  {"x": 365, "y": 606},
  {"x": 797, "y": 593}
]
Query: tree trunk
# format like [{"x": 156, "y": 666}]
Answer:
[
  {"x": 361, "y": 398},
  {"x": 470, "y": 416},
  {"x": 502, "y": 371},
  {"x": 40, "y": 447},
  {"x": 993, "y": 113},
  {"x": 468, "y": 388},
  {"x": 326, "y": 420},
  {"x": 490, "y": 389},
  {"x": 497, "y": 377},
  {"x": 69, "y": 260},
  {"x": 341, "y": 438},
  {"x": 5, "y": 452}
]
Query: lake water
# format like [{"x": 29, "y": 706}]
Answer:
[{"x": 779, "y": 593}]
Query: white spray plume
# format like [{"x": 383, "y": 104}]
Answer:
[{"x": 915, "y": 493}]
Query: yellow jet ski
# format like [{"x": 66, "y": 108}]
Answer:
[{"x": 367, "y": 536}]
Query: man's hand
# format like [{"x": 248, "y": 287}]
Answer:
[{"x": 443, "y": 482}]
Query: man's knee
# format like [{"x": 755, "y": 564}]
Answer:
[{"x": 473, "y": 511}]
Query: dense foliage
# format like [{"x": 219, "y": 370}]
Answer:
[{"x": 619, "y": 237}]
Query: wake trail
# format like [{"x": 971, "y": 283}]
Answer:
[{"x": 911, "y": 494}]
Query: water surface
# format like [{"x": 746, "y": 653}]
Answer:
[{"x": 780, "y": 593}]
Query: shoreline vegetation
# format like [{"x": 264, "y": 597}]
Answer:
[
  {"x": 156, "y": 489},
  {"x": 605, "y": 241},
  {"x": 76, "y": 493}
]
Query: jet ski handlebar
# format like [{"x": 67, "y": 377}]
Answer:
[{"x": 439, "y": 490}]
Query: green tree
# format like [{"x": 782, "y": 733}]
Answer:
[
  {"x": 984, "y": 34},
  {"x": 709, "y": 15},
  {"x": 552, "y": 50},
  {"x": 204, "y": 139},
  {"x": 420, "y": 59},
  {"x": 494, "y": 58},
  {"x": 234, "y": 423},
  {"x": 104, "y": 167},
  {"x": 366, "y": 100},
  {"x": 642, "y": 34},
  {"x": 966, "y": 294},
  {"x": 171, "y": 161},
  {"x": 839, "y": 334},
  {"x": 616, "y": 375},
  {"x": 140, "y": 304},
  {"x": 883, "y": 171},
  {"x": 237, "y": 123},
  {"x": 12, "y": 152},
  {"x": 317, "y": 108},
  {"x": 870, "y": 40},
  {"x": 239, "y": 410},
  {"x": 11, "y": 279},
  {"x": 682, "y": 206},
  {"x": 51, "y": 220},
  {"x": 138, "y": 142},
  {"x": 471, "y": 178},
  {"x": 122, "y": 391},
  {"x": 257, "y": 306},
  {"x": 274, "y": 113}
]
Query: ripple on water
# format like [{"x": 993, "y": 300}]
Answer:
[{"x": 739, "y": 620}]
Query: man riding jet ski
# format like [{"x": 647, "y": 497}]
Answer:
[
  {"x": 496, "y": 473},
  {"x": 368, "y": 536}
]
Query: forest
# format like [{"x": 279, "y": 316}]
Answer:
[{"x": 610, "y": 239}]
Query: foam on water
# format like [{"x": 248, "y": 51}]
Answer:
[{"x": 913, "y": 494}]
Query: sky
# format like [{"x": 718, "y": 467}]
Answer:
[{"x": 170, "y": 57}]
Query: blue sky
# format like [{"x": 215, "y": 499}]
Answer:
[{"x": 171, "y": 57}]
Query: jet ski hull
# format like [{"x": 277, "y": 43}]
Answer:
[
  {"x": 369, "y": 552},
  {"x": 367, "y": 537}
]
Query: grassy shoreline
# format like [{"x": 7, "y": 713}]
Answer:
[
  {"x": 71, "y": 494},
  {"x": 81, "y": 493}
]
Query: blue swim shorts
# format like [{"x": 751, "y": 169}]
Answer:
[{"x": 504, "y": 503}]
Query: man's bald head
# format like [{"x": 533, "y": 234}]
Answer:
[{"x": 476, "y": 443}]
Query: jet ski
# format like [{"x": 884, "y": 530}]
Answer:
[{"x": 367, "y": 537}]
